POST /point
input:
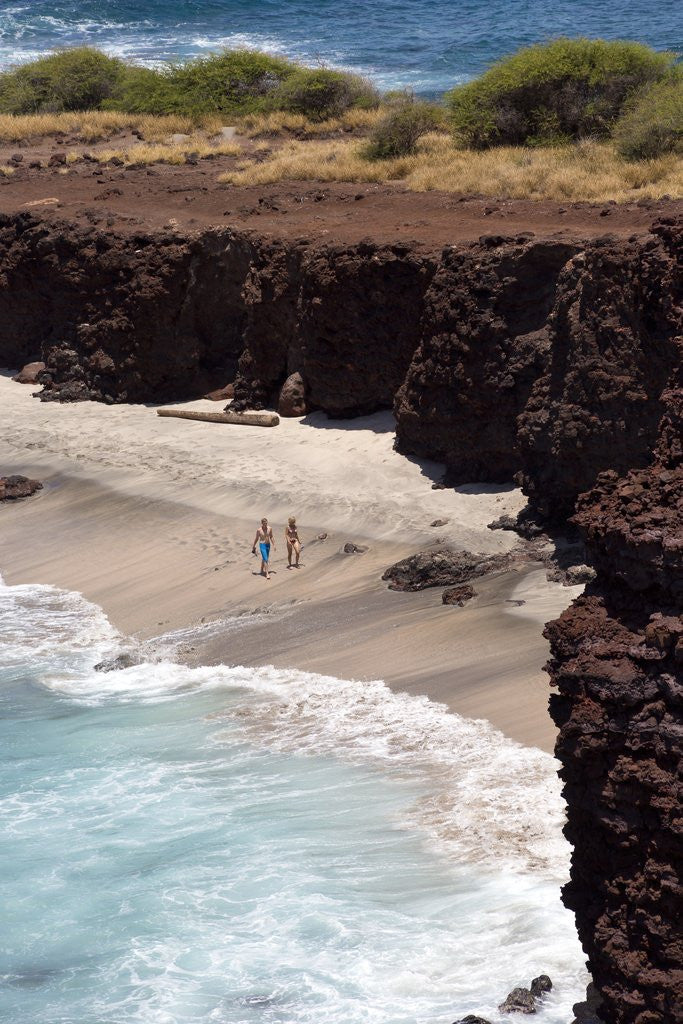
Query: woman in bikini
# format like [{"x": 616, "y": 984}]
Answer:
[
  {"x": 264, "y": 538},
  {"x": 293, "y": 542}
]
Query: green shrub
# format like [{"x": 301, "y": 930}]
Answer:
[
  {"x": 398, "y": 133},
  {"x": 319, "y": 93},
  {"x": 552, "y": 93},
  {"x": 76, "y": 79},
  {"x": 234, "y": 82},
  {"x": 652, "y": 124}
]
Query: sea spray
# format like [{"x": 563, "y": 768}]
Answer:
[{"x": 230, "y": 844}]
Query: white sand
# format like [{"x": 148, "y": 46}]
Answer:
[{"x": 154, "y": 518}]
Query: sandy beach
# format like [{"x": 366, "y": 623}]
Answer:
[{"x": 153, "y": 519}]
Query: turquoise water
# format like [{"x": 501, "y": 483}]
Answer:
[
  {"x": 430, "y": 45},
  {"x": 232, "y": 845}
]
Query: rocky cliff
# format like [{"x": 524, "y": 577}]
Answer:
[
  {"x": 541, "y": 357},
  {"x": 554, "y": 359},
  {"x": 617, "y": 663}
]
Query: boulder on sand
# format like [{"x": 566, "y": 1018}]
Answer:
[
  {"x": 13, "y": 487},
  {"x": 29, "y": 374},
  {"x": 458, "y": 595},
  {"x": 225, "y": 394},
  {"x": 441, "y": 568},
  {"x": 292, "y": 400}
]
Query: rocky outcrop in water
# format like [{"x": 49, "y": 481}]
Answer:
[{"x": 617, "y": 663}]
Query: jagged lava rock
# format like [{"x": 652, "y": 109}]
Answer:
[
  {"x": 133, "y": 317},
  {"x": 615, "y": 337},
  {"x": 520, "y": 1000},
  {"x": 483, "y": 345},
  {"x": 617, "y": 663},
  {"x": 441, "y": 568},
  {"x": 361, "y": 308},
  {"x": 15, "y": 487},
  {"x": 540, "y": 986},
  {"x": 458, "y": 595}
]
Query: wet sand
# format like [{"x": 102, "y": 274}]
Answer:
[{"x": 154, "y": 518}]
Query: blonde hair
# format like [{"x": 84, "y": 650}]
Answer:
[{"x": 292, "y": 520}]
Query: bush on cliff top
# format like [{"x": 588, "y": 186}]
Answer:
[
  {"x": 77, "y": 79},
  {"x": 547, "y": 94},
  {"x": 320, "y": 93},
  {"x": 653, "y": 124},
  {"x": 234, "y": 82},
  {"x": 399, "y": 131}
]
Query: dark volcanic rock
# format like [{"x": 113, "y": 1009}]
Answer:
[
  {"x": 540, "y": 986},
  {"x": 587, "y": 1011},
  {"x": 360, "y": 320},
  {"x": 29, "y": 374},
  {"x": 458, "y": 595},
  {"x": 14, "y": 487},
  {"x": 441, "y": 568},
  {"x": 292, "y": 400},
  {"x": 617, "y": 663},
  {"x": 483, "y": 346},
  {"x": 124, "y": 318},
  {"x": 520, "y": 1000},
  {"x": 615, "y": 337},
  {"x": 225, "y": 394},
  {"x": 125, "y": 660},
  {"x": 471, "y": 1019}
]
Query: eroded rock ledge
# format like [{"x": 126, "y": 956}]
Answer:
[
  {"x": 554, "y": 359},
  {"x": 617, "y": 663},
  {"x": 541, "y": 357}
]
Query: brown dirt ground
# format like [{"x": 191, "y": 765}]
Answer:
[{"x": 188, "y": 198}]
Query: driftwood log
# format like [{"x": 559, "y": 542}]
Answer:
[{"x": 250, "y": 419}]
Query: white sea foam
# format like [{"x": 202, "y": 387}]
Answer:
[
  {"x": 240, "y": 858},
  {"x": 491, "y": 801}
]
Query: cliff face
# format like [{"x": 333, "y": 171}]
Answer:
[
  {"x": 483, "y": 343},
  {"x": 617, "y": 663},
  {"x": 551, "y": 359},
  {"x": 614, "y": 340},
  {"x": 129, "y": 318},
  {"x": 545, "y": 358}
]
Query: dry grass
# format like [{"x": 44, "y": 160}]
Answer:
[
  {"x": 95, "y": 125},
  {"x": 279, "y": 123},
  {"x": 167, "y": 153},
  {"x": 6, "y": 171},
  {"x": 589, "y": 171}
]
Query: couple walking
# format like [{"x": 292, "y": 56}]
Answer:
[{"x": 265, "y": 539}]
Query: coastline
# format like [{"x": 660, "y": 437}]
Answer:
[{"x": 153, "y": 520}]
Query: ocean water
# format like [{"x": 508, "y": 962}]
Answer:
[
  {"x": 429, "y": 45},
  {"x": 233, "y": 846}
]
